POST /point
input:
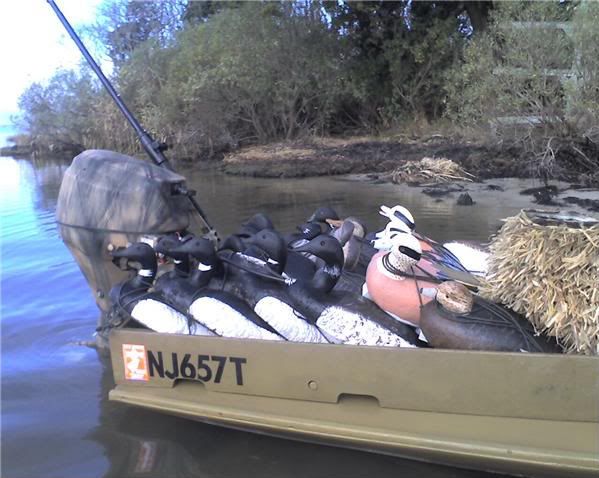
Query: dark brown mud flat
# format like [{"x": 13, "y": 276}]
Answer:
[
  {"x": 328, "y": 156},
  {"x": 359, "y": 155}
]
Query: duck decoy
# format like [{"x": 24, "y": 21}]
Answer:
[
  {"x": 217, "y": 310},
  {"x": 346, "y": 317},
  {"x": 149, "y": 309}
]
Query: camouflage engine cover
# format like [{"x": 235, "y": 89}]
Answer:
[{"x": 109, "y": 198}]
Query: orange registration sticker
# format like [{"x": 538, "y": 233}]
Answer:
[{"x": 136, "y": 364}]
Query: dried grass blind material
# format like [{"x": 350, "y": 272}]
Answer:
[
  {"x": 430, "y": 170},
  {"x": 550, "y": 274}
]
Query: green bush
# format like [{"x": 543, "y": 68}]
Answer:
[
  {"x": 533, "y": 79},
  {"x": 513, "y": 70},
  {"x": 61, "y": 112},
  {"x": 251, "y": 74},
  {"x": 583, "y": 93},
  {"x": 417, "y": 64},
  {"x": 235, "y": 73}
]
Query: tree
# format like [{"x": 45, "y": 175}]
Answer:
[
  {"x": 401, "y": 51},
  {"x": 200, "y": 11},
  {"x": 125, "y": 25},
  {"x": 60, "y": 112}
]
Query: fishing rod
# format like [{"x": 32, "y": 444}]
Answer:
[{"x": 153, "y": 148}]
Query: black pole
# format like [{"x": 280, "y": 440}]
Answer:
[{"x": 152, "y": 147}]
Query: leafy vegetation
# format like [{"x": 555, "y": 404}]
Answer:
[
  {"x": 210, "y": 76},
  {"x": 58, "y": 113},
  {"x": 532, "y": 79}
]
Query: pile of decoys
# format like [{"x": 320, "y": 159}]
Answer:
[{"x": 327, "y": 282}]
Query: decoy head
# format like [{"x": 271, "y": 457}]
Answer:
[
  {"x": 325, "y": 247},
  {"x": 359, "y": 227},
  {"x": 167, "y": 245},
  {"x": 309, "y": 230},
  {"x": 351, "y": 253},
  {"x": 322, "y": 214},
  {"x": 272, "y": 244},
  {"x": 387, "y": 237},
  {"x": 141, "y": 253},
  {"x": 166, "y": 242},
  {"x": 233, "y": 243},
  {"x": 455, "y": 297},
  {"x": 257, "y": 223},
  {"x": 328, "y": 249},
  {"x": 405, "y": 252},
  {"x": 344, "y": 233},
  {"x": 399, "y": 215},
  {"x": 200, "y": 249},
  {"x": 392, "y": 230}
]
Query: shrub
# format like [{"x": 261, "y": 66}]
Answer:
[
  {"x": 583, "y": 93},
  {"x": 61, "y": 111},
  {"x": 513, "y": 70},
  {"x": 532, "y": 79}
]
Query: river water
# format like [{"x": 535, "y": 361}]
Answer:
[{"x": 56, "y": 419}]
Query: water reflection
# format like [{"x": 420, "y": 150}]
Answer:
[
  {"x": 227, "y": 200},
  {"x": 48, "y": 382},
  {"x": 47, "y": 174}
]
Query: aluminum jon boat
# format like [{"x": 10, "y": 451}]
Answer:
[
  {"x": 502, "y": 412},
  {"x": 521, "y": 413}
]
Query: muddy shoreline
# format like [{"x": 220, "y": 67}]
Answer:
[
  {"x": 328, "y": 156},
  {"x": 373, "y": 160},
  {"x": 370, "y": 160},
  {"x": 377, "y": 156}
]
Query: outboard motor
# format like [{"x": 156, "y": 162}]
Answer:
[{"x": 108, "y": 200}]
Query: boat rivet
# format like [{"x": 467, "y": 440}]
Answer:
[{"x": 312, "y": 385}]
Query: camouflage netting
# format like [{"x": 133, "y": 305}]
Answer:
[
  {"x": 549, "y": 272},
  {"x": 430, "y": 170}
]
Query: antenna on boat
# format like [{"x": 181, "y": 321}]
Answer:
[{"x": 153, "y": 148}]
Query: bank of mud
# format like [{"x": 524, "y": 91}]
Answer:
[{"x": 332, "y": 156}]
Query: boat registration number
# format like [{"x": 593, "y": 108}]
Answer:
[{"x": 141, "y": 364}]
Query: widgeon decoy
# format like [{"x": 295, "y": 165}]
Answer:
[
  {"x": 459, "y": 319},
  {"x": 459, "y": 256},
  {"x": 396, "y": 285}
]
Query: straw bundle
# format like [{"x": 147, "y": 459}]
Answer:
[
  {"x": 550, "y": 274},
  {"x": 430, "y": 170}
]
